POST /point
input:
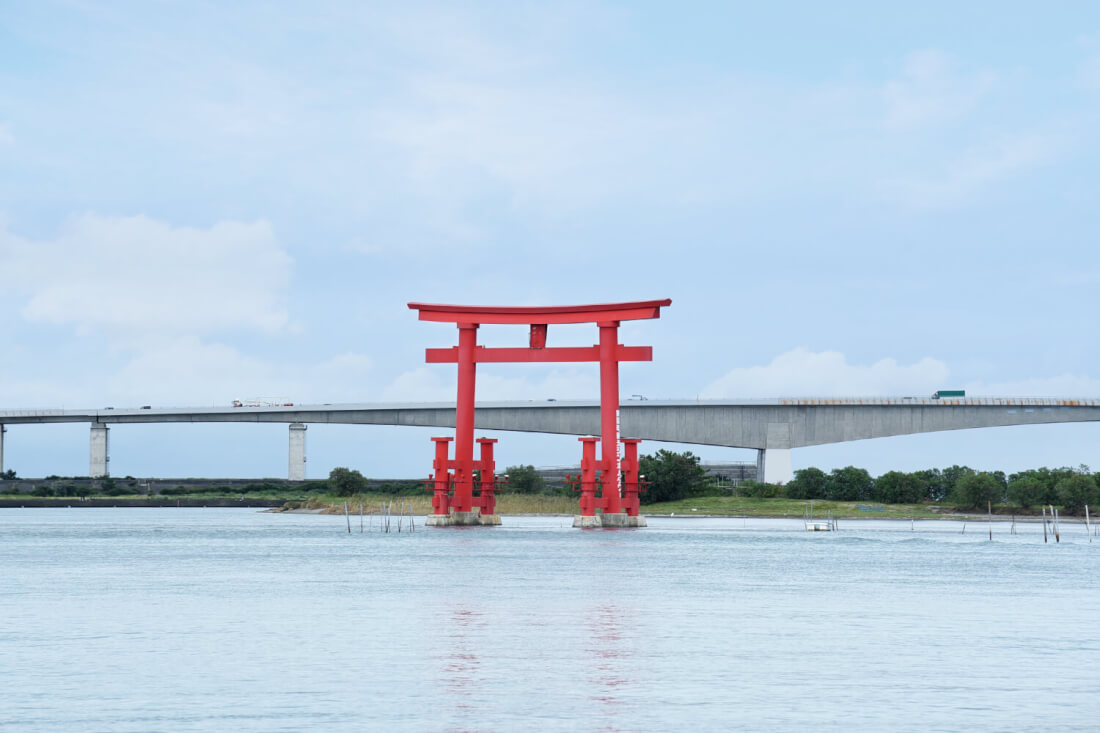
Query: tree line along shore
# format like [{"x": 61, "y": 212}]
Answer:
[{"x": 673, "y": 483}]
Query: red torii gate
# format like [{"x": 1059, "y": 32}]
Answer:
[{"x": 459, "y": 508}]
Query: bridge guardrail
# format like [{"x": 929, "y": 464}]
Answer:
[{"x": 949, "y": 401}]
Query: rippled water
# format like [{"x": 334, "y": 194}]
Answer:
[{"x": 227, "y": 619}]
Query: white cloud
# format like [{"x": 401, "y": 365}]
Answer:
[
  {"x": 130, "y": 275},
  {"x": 1064, "y": 385},
  {"x": 348, "y": 363},
  {"x": 187, "y": 371},
  {"x": 559, "y": 144},
  {"x": 425, "y": 384},
  {"x": 1089, "y": 73},
  {"x": 556, "y": 142},
  {"x": 932, "y": 91},
  {"x": 419, "y": 385},
  {"x": 362, "y": 247},
  {"x": 975, "y": 170},
  {"x": 804, "y": 373},
  {"x": 801, "y": 372}
]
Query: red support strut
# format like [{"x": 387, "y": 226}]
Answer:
[
  {"x": 588, "y": 476},
  {"x": 441, "y": 481},
  {"x": 487, "y": 484},
  {"x": 630, "y": 472}
]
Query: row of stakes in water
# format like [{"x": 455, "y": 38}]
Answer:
[
  {"x": 388, "y": 519},
  {"x": 1051, "y": 525}
]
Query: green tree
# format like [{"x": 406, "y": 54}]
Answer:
[
  {"x": 758, "y": 490},
  {"x": 1050, "y": 478},
  {"x": 848, "y": 484},
  {"x": 975, "y": 489},
  {"x": 8, "y": 475},
  {"x": 896, "y": 487},
  {"x": 671, "y": 476},
  {"x": 1075, "y": 491},
  {"x": 346, "y": 482},
  {"x": 935, "y": 488},
  {"x": 808, "y": 483},
  {"x": 523, "y": 480},
  {"x": 1026, "y": 491},
  {"x": 1056, "y": 476},
  {"x": 951, "y": 478}
]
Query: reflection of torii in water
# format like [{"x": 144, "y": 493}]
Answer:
[{"x": 459, "y": 508}]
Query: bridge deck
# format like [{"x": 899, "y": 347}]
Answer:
[{"x": 776, "y": 423}]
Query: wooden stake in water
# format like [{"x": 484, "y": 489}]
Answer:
[
  {"x": 347, "y": 516},
  {"x": 1057, "y": 529},
  {"x": 360, "y": 517},
  {"x": 989, "y": 506},
  {"x": 1044, "y": 524},
  {"x": 1013, "y": 529},
  {"x": 1088, "y": 524}
]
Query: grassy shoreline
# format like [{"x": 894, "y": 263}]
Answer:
[{"x": 526, "y": 504}]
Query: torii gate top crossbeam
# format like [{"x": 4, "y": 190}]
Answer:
[{"x": 525, "y": 315}]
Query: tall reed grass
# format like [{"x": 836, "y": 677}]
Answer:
[{"x": 506, "y": 504}]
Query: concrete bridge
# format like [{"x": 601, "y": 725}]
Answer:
[{"x": 772, "y": 427}]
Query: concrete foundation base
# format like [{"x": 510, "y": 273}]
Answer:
[
  {"x": 608, "y": 521},
  {"x": 462, "y": 519}
]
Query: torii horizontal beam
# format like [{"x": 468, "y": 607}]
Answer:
[
  {"x": 484, "y": 355},
  {"x": 524, "y": 315}
]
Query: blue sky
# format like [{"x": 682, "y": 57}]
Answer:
[{"x": 200, "y": 203}]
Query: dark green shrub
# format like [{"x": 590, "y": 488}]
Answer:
[
  {"x": 896, "y": 487},
  {"x": 1075, "y": 491},
  {"x": 848, "y": 484},
  {"x": 671, "y": 476},
  {"x": 977, "y": 489},
  {"x": 758, "y": 490},
  {"x": 808, "y": 483},
  {"x": 346, "y": 482},
  {"x": 1026, "y": 492},
  {"x": 523, "y": 480}
]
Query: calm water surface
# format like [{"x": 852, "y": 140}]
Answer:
[{"x": 235, "y": 620}]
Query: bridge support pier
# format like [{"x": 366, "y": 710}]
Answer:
[
  {"x": 100, "y": 459},
  {"x": 773, "y": 465},
  {"x": 297, "y": 470},
  {"x": 2, "y": 431}
]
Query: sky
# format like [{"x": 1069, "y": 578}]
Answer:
[{"x": 202, "y": 202}]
